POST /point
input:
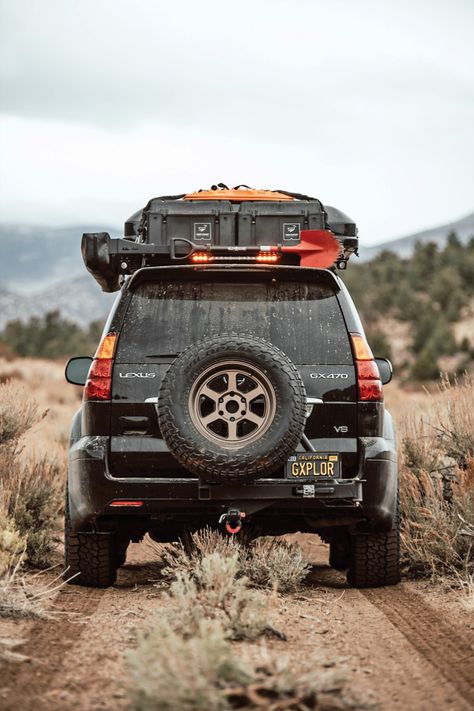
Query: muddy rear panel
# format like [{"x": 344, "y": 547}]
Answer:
[{"x": 164, "y": 317}]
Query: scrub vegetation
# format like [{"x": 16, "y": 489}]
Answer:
[
  {"x": 430, "y": 293},
  {"x": 437, "y": 486},
  {"x": 31, "y": 488},
  {"x": 186, "y": 659},
  {"x": 271, "y": 563},
  {"x": 50, "y": 336}
]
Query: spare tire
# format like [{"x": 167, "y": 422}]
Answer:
[{"x": 232, "y": 408}]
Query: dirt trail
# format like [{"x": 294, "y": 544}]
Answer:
[{"x": 396, "y": 647}]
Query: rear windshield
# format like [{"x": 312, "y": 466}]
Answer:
[{"x": 303, "y": 320}]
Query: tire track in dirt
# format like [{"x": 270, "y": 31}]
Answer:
[
  {"x": 448, "y": 649},
  {"x": 48, "y": 641}
]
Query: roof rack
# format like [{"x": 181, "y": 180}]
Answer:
[
  {"x": 223, "y": 225},
  {"x": 111, "y": 260}
]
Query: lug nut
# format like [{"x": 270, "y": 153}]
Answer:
[{"x": 221, "y": 412}]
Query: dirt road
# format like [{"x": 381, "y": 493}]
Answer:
[{"x": 407, "y": 648}]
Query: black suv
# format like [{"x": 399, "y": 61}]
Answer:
[{"x": 231, "y": 391}]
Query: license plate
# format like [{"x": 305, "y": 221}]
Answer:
[{"x": 313, "y": 466}]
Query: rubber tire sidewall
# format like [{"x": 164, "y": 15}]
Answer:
[{"x": 202, "y": 456}]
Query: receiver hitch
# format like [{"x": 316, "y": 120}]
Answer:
[{"x": 232, "y": 520}]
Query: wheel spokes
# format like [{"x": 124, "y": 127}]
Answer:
[
  {"x": 211, "y": 394},
  {"x": 232, "y": 430},
  {"x": 232, "y": 403},
  {"x": 255, "y": 392},
  {"x": 209, "y": 419},
  {"x": 232, "y": 380},
  {"x": 254, "y": 418}
]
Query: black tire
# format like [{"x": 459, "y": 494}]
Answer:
[
  {"x": 90, "y": 558},
  {"x": 339, "y": 553},
  {"x": 375, "y": 558},
  {"x": 202, "y": 455}
]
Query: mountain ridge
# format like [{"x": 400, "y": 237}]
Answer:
[
  {"x": 403, "y": 246},
  {"x": 36, "y": 258}
]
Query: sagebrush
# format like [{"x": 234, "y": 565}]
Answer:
[
  {"x": 267, "y": 562},
  {"x": 437, "y": 484},
  {"x": 214, "y": 591},
  {"x": 202, "y": 673},
  {"x": 30, "y": 494}
]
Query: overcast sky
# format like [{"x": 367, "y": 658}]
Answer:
[{"x": 368, "y": 105}]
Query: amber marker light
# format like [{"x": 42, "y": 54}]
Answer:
[
  {"x": 361, "y": 347},
  {"x": 201, "y": 258},
  {"x": 368, "y": 376},
  {"x": 266, "y": 257},
  {"x": 99, "y": 382},
  {"x": 106, "y": 347}
]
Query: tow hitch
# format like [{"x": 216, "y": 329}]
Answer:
[{"x": 232, "y": 520}]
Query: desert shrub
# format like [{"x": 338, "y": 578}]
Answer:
[
  {"x": 30, "y": 597},
  {"x": 455, "y": 422},
  {"x": 434, "y": 541},
  {"x": 31, "y": 489},
  {"x": 203, "y": 673},
  {"x": 12, "y": 544},
  {"x": 35, "y": 507},
  {"x": 274, "y": 563},
  {"x": 18, "y": 413},
  {"x": 437, "y": 485},
  {"x": 213, "y": 591},
  {"x": 186, "y": 555},
  {"x": 174, "y": 672},
  {"x": 266, "y": 562}
]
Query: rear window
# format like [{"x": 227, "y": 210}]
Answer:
[{"x": 303, "y": 320}]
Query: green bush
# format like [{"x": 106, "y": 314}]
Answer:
[{"x": 50, "y": 336}]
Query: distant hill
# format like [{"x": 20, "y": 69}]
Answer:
[
  {"x": 41, "y": 268},
  {"x": 35, "y": 257},
  {"x": 79, "y": 299},
  {"x": 403, "y": 246}
]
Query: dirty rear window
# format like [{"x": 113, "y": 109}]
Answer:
[{"x": 303, "y": 320}]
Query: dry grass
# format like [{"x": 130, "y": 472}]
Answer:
[
  {"x": 271, "y": 563},
  {"x": 31, "y": 487},
  {"x": 275, "y": 563},
  {"x": 213, "y": 591},
  {"x": 202, "y": 673},
  {"x": 27, "y": 596},
  {"x": 437, "y": 484}
]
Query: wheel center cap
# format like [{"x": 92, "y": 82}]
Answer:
[{"x": 232, "y": 406}]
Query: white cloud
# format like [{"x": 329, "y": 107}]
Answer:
[{"x": 368, "y": 105}]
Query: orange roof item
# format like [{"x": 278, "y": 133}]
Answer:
[
  {"x": 318, "y": 249},
  {"x": 237, "y": 195}
]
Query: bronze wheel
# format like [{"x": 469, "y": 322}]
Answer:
[{"x": 232, "y": 403}]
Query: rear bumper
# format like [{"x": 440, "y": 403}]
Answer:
[{"x": 367, "y": 500}]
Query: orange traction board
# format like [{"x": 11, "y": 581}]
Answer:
[{"x": 237, "y": 195}]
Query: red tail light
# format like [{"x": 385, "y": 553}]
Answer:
[
  {"x": 99, "y": 382},
  {"x": 368, "y": 376}
]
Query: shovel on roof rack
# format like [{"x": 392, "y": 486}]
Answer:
[{"x": 110, "y": 260}]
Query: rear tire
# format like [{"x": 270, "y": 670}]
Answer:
[
  {"x": 90, "y": 558},
  {"x": 375, "y": 558}
]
